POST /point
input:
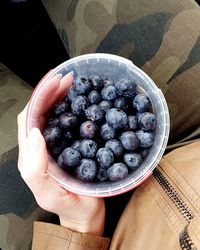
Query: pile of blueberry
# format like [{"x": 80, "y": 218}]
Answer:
[{"x": 101, "y": 131}]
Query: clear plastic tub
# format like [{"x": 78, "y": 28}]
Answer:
[{"x": 112, "y": 67}]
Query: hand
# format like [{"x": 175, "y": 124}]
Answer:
[{"x": 79, "y": 213}]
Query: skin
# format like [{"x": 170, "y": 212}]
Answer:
[{"x": 78, "y": 213}]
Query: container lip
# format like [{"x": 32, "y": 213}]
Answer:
[{"x": 164, "y": 139}]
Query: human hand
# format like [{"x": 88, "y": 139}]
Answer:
[{"x": 79, "y": 213}]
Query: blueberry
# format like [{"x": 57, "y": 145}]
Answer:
[
  {"x": 126, "y": 88},
  {"x": 117, "y": 171},
  {"x": 116, "y": 118},
  {"x": 141, "y": 102},
  {"x": 129, "y": 140},
  {"x": 102, "y": 175},
  {"x": 52, "y": 135},
  {"x": 105, "y": 105},
  {"x": 87, "y": 170},
  {"x": 53, "y": 122},
  {"x": 132, "y": 160},
  {"x": 82, "y": 85},
  {"x": 121, "y": 103},
  {"x": 76, "y": 144},
  {"x": 132, "y": 122},
  {"x": 68, "y": 121},
  {"x": 60, "y": 108},
  {"x": 97, "y": 81},
  {"x": 108, "y": 93},
  {"x": 146, "y": 138},
  {"x": 72, "y": 94},
  {"x": 71, "y": 157},
  {"x": 143, "y": 152},
  {"x": 88, "y": 129},
  {"x": 107, "y": 132},
  {"x": 115, "y": 146},
  {"x": 147, "y": 121},
  {"x": 94, "y": 97},
  {"x": 57, "y": 149},
  {"x": 79, "y": 105},
  {"x": 60, "y": 161},
  {"x": 68, "y": 135},
  {"x": 88, "y": 148},
  {"x": 94, "y": 113},
  {"x": 105, "y": 157},
  {"x": 108, "y": 82}
]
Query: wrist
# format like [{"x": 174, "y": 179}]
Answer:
[{"x": 92, "y": 224}]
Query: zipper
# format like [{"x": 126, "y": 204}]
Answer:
[{"x": 184, "y": 238}]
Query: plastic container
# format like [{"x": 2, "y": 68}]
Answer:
[{"x": 115, "y": 68}]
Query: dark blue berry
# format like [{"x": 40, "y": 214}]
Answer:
[
  {"x": 141, "y": 102},
  {"x": 105, "y": 105},
  {"x": 132, "y": 122},
  {"x": 102, "y": 175},
  {"x": 108, "y": 93},
  {"x": 76, "y": 144},
  {"x": 68, "y": 121},
  {"x": 60, "y": 108},
  {"x": 94, "y": 97},
  {"x": 72, "y": 94},
  {"x": 147, "y": 121},
  {"x": 105, "y": 157},
  {"x": 108, "y": 82},
  {"x": 117, "y": 171},
  {"x": 79, "y": 105},
  {"x": 82, "y": 85},
  {"x": 52, "y": 135},
  {"x": 87, "y": 170},
  {"x": 107, "y": 132},
  {"x": 132, "y": 160},
  {"x": 57, "y": 149},
  {"x": 88, "y": 129},
  {"x": 97, "y": 81},
  {"x": 146, "y": 138},
  {"x": 129, "y": 140},
  {"x": 68, "y": 135},
  {"x": 94, "y": 113},
  {"x": 71, "y": 157},
  {"x": 60, "y": 161},
  {"x": 143, "y": 152},
  {"x": 53, "y": 122},
  {"x": 116, "y": 118},
  {"x": 126, "y": 88},
  {"x": 121, "y": 103},
  {"x": 115, "y": 146},
  {"x": 88, "y": 148}
]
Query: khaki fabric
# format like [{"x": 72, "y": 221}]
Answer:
[{"x": 51, "y": 237}]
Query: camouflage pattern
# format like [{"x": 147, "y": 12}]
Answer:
[
  {"x": 18, "y": 208},
  {"x": 161, "y": 37}
]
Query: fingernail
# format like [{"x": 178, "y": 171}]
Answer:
[{"x": 34, "y": 142}]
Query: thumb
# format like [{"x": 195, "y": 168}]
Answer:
[{"x": 35, "y": 161}]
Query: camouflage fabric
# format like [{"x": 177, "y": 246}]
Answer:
[
  {"x": 18, "y": 208},
  {"x": 161, "y": 37}
]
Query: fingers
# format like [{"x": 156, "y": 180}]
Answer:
[
  {"x": 35, "y": 158},
  {"x": 66, "y": 83},
  {"x": 54, "y": 91}
]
